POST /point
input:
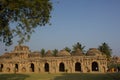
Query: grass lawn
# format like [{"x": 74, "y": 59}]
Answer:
[{"x": 68, "y": 76}]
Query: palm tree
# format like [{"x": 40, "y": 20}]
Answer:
[
  {"x": 55, "y": 51},
  {"x": 78, "y": 46},
  {"x": 105, "y": 49},
  {"x": 42, "y": 52},
  {"x": 67, "y": 49}
]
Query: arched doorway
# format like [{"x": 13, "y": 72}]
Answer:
[
  {"x": 1, "y": 67},
  {"x": 77, "y": 66},
  {"x": 16, "y": 67},
  {"x": 95, "y": 66},
  {"x": 61, "y": 67},
  {"x": 46, "y": 67},
  {"x": 32, "y": 67}
]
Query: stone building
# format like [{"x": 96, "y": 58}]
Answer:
[
  {"x": 21, "y": 59},
  {"x": 115, "y": 60}
]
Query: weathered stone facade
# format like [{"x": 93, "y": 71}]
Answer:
[{"x": 21, "y": 59}]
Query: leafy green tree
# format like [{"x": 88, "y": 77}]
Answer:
[
  {"x": 42, "y": 52},
  {"x": 55, "y": 51},
  {"x": 105, "y": 49},
  {"x": 67, "y": 49},
  {"x": 26, "y": 14},
  {"x": 78, "y": 46}
]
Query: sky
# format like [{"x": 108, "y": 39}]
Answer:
[{"x": 90, "y": 22}]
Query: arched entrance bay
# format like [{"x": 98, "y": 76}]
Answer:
[
  {"x": 61, "y": 67},
  {"x": 32, "y": 67},
  {"x": 95, "y": 66},
  {"x": 46, "y": 67},
  {"x": 1, "y": 67},
  {"x": 16, "y": 67},
  {"x": 77, "y": 66}
]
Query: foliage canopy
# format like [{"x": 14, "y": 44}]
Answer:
[
  {"x": 105, "y": 49},
  {"x": 27, "y": 14},
  {"x": 67, "y": 49},
  {"x": 78, "y": 46}
]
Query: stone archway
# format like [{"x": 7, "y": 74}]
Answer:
[
  {"x": 46, "y": 67},
  {"x": 77, "y": 66},
  {"x": 1, "y": 67},
  {"x": 95, "y": 66},
  {"x": 32, "y": 67},
  {"x": 61, "y": 67},
  {"x": 16, "y": 67}
]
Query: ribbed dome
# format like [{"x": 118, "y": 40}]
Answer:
[
  {"x": 21, "y": 49},
  {"x": 78, "y": 52},
  {"x": 63, "y": 53},
  {"x": 48, "y": 53},
  {"x": 93, "y": 52}
]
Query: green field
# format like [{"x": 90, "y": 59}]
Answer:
[{"x": 74, "y": 76}]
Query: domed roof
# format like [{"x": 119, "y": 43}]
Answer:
[
  {"x": 93, "y": 52},
  {"x": 6, "y": 55},
  {"x": 34, "y": 54},
  {"x": 49, "y": 53},
  {"x": 63, "y": 53},
  {"x": 21, "y": 48},
  {"x": 78, "y": 52}
]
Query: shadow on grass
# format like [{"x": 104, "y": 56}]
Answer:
[
  {"x": 87, "y": 76},
  {"x": 13, "y": 76}
]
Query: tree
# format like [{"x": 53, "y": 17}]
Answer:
[
  {"x": 105, "y": 49},
  {"x": 78, "y": 46},
  {"x": 55, "y": 51},
  {"x": 42, "y": 52},
  {"x": 67, "y": 49},
  {"x": 26, "y": 14}
]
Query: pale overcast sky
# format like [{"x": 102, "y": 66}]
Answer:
[{"x": 90, "y": 22}]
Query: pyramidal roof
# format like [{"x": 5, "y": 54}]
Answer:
[
  {"x": 94, "y": 52},
  {"x": 49, "y": 53},
  {"x": 78, "y": 52},
  {"x": 63, "y": 53}
]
